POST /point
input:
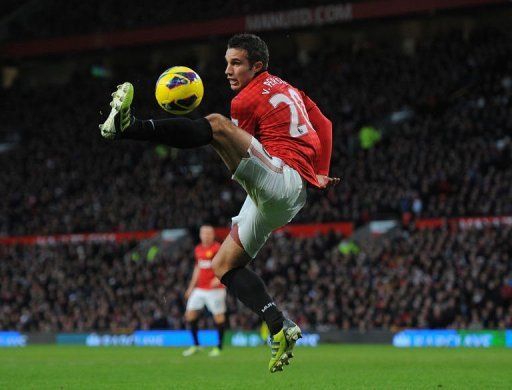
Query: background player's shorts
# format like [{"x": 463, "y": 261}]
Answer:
[
  {"x": 214, "y": 300},
  {"x": 276, "y": 193}
]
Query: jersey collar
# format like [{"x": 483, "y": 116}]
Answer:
[{"x": 256, "y": 80}]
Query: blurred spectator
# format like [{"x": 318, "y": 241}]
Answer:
[{"x": 423, "y": 279}]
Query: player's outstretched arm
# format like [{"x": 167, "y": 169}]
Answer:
[
  {"x": 326, "y": 181},
  {"x": 323, "y": 128}
]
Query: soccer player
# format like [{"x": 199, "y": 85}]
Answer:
[
  {"x": 205, "y": 289},
  {"x": 276, "y": 143}
]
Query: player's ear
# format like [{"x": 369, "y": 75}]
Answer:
[{"x": 257, "y": 66}]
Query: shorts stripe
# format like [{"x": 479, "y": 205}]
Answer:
[
  {"x": 264, "y": 159},
  {"x": 234, "y": 235}
]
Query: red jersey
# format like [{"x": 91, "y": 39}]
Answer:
[
  {"x": 204, "y": 256},
  {"x": 276, "y": 114}
]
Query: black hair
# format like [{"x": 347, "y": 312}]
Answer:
[{"x": 255, "y": 47}]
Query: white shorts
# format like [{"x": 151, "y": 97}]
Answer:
[
  {"x": 215, "y": 300},
  {"x": 275, "y": 194}
]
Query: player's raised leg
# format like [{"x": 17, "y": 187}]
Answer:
[
  {"x": 230, "y": 142},
  {"x": 175, "y": 132}
]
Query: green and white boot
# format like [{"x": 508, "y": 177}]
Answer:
[
  {"x": 191, "y": 351},
  {"x": 214, "y": 352},
  {"x": 282, "y": 345},
  {"x": 120, "y": 117}
]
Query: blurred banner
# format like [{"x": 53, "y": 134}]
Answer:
[
  {"x": 182, "y": 338},
  {"x": 141, "y": 338},
  {"x": 12, "y": 339},
  {"x": 464, "y": 222},
  {"x": 76, "y": 238},
  {"x": 173, "y": 338},
  {"x": 453, "y": 338},
  {"x": 302, "y": 230},
  {"x": 294, "y": 18},
  {"x": 254, "y": 339}
]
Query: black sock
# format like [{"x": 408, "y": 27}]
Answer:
[
  {"x": 180, "y": 133},
  {"x": 250, "y": 290},
  {"x": 193, "y": 329},
  {"x": 220, "y": 330}
]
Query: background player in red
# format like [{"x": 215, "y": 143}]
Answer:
[
  {"x": 205, "y": 289},
  {"x": 278, "y": 143}
]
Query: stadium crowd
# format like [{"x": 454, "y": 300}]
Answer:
[
  {"x": 431, "y": 278},
  {"x": 449, "y": 155}
]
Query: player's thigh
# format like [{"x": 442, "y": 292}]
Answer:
[
  {"x": 229, "y": 141},
  {"x": 249, "y": 228},
  {"x": 216, "y": 301},
  {"x": 196, "y": 301},
  {"x": 272, "y": 185},
  {"x": 280, "y": 198}
]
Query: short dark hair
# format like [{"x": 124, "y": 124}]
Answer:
[{"x": 255, "y": 47}]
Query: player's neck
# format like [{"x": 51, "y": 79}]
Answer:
[{"x": 255, "y": 80}]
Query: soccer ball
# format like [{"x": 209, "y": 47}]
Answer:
[{"x": 179, "y": 90}]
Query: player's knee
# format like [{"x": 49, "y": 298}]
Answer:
[
  {"x": 219, "y": 319},
  {"x": 221, "y": 126},
  {"x": 190, "y": 316}
]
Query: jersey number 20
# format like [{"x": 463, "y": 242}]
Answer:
[{"x": 294, "y": 101}]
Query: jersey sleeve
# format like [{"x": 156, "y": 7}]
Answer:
[
  {"x": 243, "y": 116},
  {"x": 308, "y": 103},
  {"x": 323, "y": 127}
]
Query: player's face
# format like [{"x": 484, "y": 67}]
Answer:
[
  {"x": 206, "y": 235},
  {"x": 238, "y": 70}
]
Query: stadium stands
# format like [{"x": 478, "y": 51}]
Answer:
[
  {"x": 424, "y": 279},
  {"x": 444, "y": 112}
]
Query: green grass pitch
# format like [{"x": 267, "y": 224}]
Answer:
[{"x": 325, "y": 367}]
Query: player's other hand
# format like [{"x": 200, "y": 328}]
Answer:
[
  {"x": 215, "y": 283},
  {"x": 326, "y": 181},
  {"x": 188, "y": 292}
]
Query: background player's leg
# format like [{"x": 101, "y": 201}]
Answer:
[
  {"x": 192, "y": 317},
  {"x": 220, "y": 323},
  {"x": 229, "y": 266}
]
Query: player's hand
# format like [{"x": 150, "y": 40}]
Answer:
[
  {"x": 326, "y": 181},
  {"x": 215, "y": 283},
  {"x": 187, "y": 293}
]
